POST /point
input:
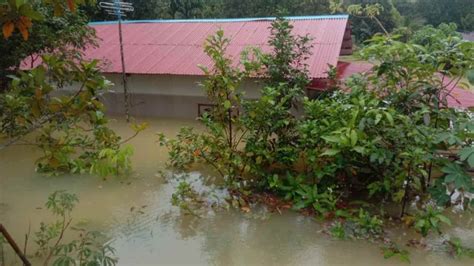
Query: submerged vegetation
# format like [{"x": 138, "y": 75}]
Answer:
[
  {"x": 377, "y": 149},
  {"x": 387, "y": 138},
  {"x": 88, "y": 248},
  {"x": 56, "y": 104}
]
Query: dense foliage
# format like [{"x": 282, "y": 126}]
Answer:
[
  {"x": 51, "y": 247},
  {"x": 436, "y": 12},
  {"x": 393, "y": 14},
  {"x": 55, "y": 103},
  {"x": 65, "y": 35},
  {"x": 90, "y": 247},
  {"x": 70, "y": 128},
  {"x": 382, "y": 139}
]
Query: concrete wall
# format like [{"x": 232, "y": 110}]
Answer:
[{"x": 164, "y": 95}]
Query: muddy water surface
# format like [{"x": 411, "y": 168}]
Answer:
[{"x": 136, "y": 214}]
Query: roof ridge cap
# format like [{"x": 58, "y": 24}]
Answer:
[{"x": 222, "y": 20}]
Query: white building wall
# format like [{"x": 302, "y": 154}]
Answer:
[{"x": 164, "y": 95}]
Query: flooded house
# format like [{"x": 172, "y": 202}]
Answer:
[{"x": 162, "y": 58}]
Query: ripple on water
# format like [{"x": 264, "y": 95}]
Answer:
[{"x": 146, "y": 229}]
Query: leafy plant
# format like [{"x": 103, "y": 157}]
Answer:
[
  {"x": 60, "y": 204},
  {"x": 322, "y": 202},
  {"x": 69, "y": 127},
  {"x": 71, "y": 130},
  {"x": 270, "y": 121},
  {"x": 288, "y": 185},
  {"x": 338, "y": 231},
  {"x": 378, "y": 136},
  {"x": 368, "y": 225},
  {"x": 467, "y": 154},
  {"x": 430, "y": 220},
  {"x": 394, "y": 251},
  {"x": 87, "y": 250},
  {"x": 186, "y": 198},
  {"x": 456, "y": 248},
  {"x": 111, "y": 161},
  {"x": 457, "y": 176},
  {"x": 218, "y": 146}
]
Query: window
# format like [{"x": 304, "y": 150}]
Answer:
[{"x": 204, "y": 108}]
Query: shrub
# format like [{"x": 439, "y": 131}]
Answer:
[{"x": 378, "y": 136}]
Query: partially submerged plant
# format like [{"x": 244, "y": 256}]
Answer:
[
  {"x": 368, "y": 225},
  {"x": 186, "y": 198},
  {"x": 456, "y": 248},
  {"x": 70, "y": 129},
  {"x": 88, "y": 249},
  {"x": 379, "y": 137},
  {"x": 392, "y": 250},
  {"x": 429, "y": 220}
]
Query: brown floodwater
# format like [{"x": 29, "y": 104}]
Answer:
[{"x": 160, "y": 234}]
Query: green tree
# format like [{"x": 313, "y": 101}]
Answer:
[
  {"x": 444, "y": 11},
  {"x": 432, "y": 37},
  {"x": 88, "y": 249},
  {"x": 65, "y": 35},
  {"x": 379, "y": 135},
  {"x": 20, "y": 14},
  {"x": 218, "y": 145},
  {"x": 271, "y": 121},
  {"x": 55, "y": 105},
  {"x": 370, "y": 17},
  {"x": 185, "y": 8}
]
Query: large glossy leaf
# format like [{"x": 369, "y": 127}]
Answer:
[
  {"x": 455, "y": 174},
  {"x": 467, "y": 154}
]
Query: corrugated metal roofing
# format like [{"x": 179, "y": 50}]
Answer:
[
  {"x": 347, "y": 69},
  {"x": 176, "y": 46},
  {"x": 459, "y": 97}
]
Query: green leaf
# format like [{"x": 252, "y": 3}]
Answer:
[
  {"x": 438, "y": 193},
  {"x": 354, "y": 138},
  {"x": 434, "y": 221},
  {"x": 443, "y": 219},
  {"x": 420, "y": 223},
  {"x": 455, "y": 174},
  {"x": 467, "y": 154},
  {"x": 299, "y": 205},
  {"x": 378, "y": 117},
  {"x": 360, "y": 150},
  {"x": 334, "y": 139},
  {"x": 389, "y": 118},
  {"x": 19, "y": 3},
  {"x": 27, "y": 11},
  {"x": 227, "y": 104},
  {"x": 330, "y": 152}
]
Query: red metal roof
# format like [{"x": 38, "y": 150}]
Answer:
[
  {"x": 347, "y": 69},
  {"x": 176, "y": 47},
  {"x": 459, "y": 97}
]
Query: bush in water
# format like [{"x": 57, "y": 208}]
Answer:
[{"x": 378, "y": 138}]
